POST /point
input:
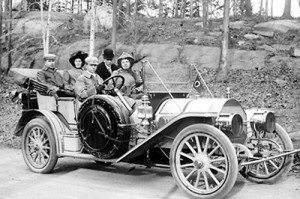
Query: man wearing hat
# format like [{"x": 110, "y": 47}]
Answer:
[
  {"x": 49, "y": 75},
  {"x": 105, "y": 68},
  {"x": 89, "y": 83}
]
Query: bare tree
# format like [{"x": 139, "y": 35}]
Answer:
[
  {"x": 183, "y": 8},
  {"x": 135, "y": 8},
  {"x": 287, "y": 10},
  {"x": 191, "y": 8},
  {"x": 160, "y": 9},
  {"x": 234, "y": 8},
  {"x": 120, "y": 12},
  {"x": 114, "y": 25},
  {"x": 9, "y": 28},
  {"x": 128, "y": 8},
  {"x": 267, "y": 7},
  {"x": 261, "y": 7},
  {"x": 92, "y": 31},
  {"x": 48, "y": 28},
  {"x": 1, "y": 10},
  {"x": 175, "y": 8},
  {"x": 223, "y": 65},
  {"x": 79, "y": 7},
  {"x": 205, "y": 15},
  {"x": 248, "y": 8},
  {"x": 272, "y": 8}
]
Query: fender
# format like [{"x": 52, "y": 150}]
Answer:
[
  {"x": 59, "y": 128},
  {"x": 171, "y": 129}
]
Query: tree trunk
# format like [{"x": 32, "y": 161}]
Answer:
[
  {"x": 191, "y": 8},
  {"x": 272, "y": 8},
  {"x": 160, "y": 9},
  {"x": 261, "y": 7},
  {"x": 9, "y": 28},
  {"x": 72, "y": 6},
  {"x": 43, "y": 26},
  {"x": 223, "y": 65},
  {"x": 183, "y": 8},
  {"x": 120, "y": 13},
  {"x": 198, "y": 13},
  {"x": 287, "y": 10},
  {"x": 48, "y": 27},
  {"x": 92, "y": 33},
  {"x": 135, "y": 26},
  {"x": 175, "y": 8},
  {"x": 114, "y": 26},
  {"x": 234, "y": 8},
  {"x": 1, "y": 11},
  {"x": 248, "y": 8},
  {"x": 267, "y": 7},
  {"x": 135, "y": 8},
  {"x": 128, "y": 8},
  {"x": 88, "y": 5},
  {"x": 204, "y": 9}
]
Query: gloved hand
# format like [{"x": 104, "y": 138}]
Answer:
[{"x": 99, "y": 88}]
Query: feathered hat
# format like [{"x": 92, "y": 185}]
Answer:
[{"x": 78, "y": 55}]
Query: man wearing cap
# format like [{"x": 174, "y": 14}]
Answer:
[
  {"x": 105, "y": 68},
  {"x": 89, "y": 83},
  {"x": 49, "y": 75}
]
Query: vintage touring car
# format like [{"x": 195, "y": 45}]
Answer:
[{"x": 204, "y": 142}]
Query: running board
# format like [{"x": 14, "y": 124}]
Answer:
[{"x": 85, "y": 156}]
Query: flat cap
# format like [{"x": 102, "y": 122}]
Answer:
[
  {"x": 49, "y": 56},
  {"x": 91, "y": 60}
]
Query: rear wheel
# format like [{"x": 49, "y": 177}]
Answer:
[
  {"x": 38, "y": 146},
  {"x": 203, "y": 162},
  {"x": 270, "y": 144}
]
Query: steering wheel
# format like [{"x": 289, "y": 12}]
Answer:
[{"x": 114, "y": 79}]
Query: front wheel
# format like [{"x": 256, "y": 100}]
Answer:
[
  {"x": 264, "y": 145},
  {"x": 203, "y": 162},
  {"x": 38, "y": 146}
]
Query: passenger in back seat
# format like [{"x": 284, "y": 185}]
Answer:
[
  {"x": 70, "y": 76},
  {"x": 49, "y": 76}
]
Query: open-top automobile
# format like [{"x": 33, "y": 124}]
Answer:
[{"x": 205, "y": 142}]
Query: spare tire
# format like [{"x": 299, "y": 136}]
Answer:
[{"x": 98, "y": 126}]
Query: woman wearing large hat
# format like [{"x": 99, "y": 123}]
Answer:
[
  {"x": 133, "y": 81},
  {"x": 77, "y": 61}
]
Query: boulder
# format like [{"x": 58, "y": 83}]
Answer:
[
  {"x": 31, "y": 25},
  {"x": 104, "y": 15},
  {"x": 264, "y": 33},
  {"x": 295, "y": 52},
  {"x": 278, "y": 25},
  {"x": 251, "y": 36},
  {"x": 237, "y": 24}
]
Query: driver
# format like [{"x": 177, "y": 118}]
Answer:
[{"x": 89, "y": 83}]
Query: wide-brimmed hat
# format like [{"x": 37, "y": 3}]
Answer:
[
  {"x": 92, "y": 60},
  {"x": 49, "y": 56},
  {"x": 108, "y": 54},
  {"x": 126, "y": 56},
  {"x": 78, "y": 55}
]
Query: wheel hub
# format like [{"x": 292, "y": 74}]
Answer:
[
  {"x": 201, "y": 162},
  {"x": 38, "y": 145}
]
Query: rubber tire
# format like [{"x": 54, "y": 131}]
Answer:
[
  {"x": 52, "y": 160},
  {"x": 228, "y": 148},
  {"x": 286, "y": 166}
]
